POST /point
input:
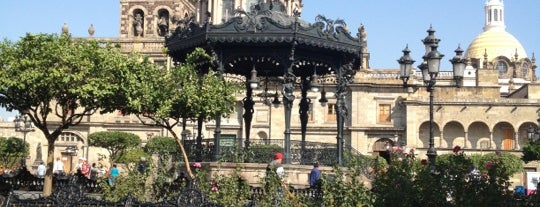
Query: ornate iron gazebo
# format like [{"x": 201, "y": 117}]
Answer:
[{"x": 270, "y": 43}]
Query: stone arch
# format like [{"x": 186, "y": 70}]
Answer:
[
  {"x": 453, "y": 135},
  {"x": 263, "y": 136},
  {"x": 423, "y": 133},
  {"x": 77, "y": 136},
  {"x": 522, "y": 133},
  {"x": 382, "y": 148},
  {"x": 479, "y": 135},
  {"x": 503, "y": 136}
]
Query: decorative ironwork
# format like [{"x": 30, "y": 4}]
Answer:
[
  {"x": 331, "y": 26},
  {"x": 68, "y": 195},
  {"x": 277, "y": 44}
]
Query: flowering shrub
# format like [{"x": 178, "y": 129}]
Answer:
[{"x": 459, "y": 180}]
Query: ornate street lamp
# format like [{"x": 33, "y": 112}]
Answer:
[
  {"x": 23, "y": 124},
  {"x": 430, "y": 69},
  {"x": 531, "y": 132},
  {"x": 314, "y": 83},
  {"x": 253, "y": 80},
  {"x": 458, "y": 63},
  {"x": 405, "y": 63}
]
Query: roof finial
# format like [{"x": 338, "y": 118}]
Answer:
[
  {"x": 91, "y": 30},
  {"x": 65, "y": 29}
]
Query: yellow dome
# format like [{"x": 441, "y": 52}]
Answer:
[{"x": 496, "y": 43}]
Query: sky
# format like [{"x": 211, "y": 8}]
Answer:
[{"x": 390, "y": 24}]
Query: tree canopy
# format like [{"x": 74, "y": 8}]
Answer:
[
  {"x": 114, "y": 141},
  {"x": 162, "y": 145},
  {"x": 57, "y": 81},
  {"x": 189, "y": 91},
  {"x": 11, "y": 151}
]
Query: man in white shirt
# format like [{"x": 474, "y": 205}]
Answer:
[
  {"x": 41, "y": 170},
  {"x": 58, "y": 167}
]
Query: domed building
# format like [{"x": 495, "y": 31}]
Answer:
[{"x": 499, "y": 50}]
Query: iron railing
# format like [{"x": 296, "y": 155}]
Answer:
[
  {"x": 73, "y": 191},
  {"x": 262, "y": 150}
]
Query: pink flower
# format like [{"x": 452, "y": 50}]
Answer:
[
  {"x": 424, "y": 162},
  {"x": 457, "y": 148},
  {"x": 498, "y": 152},
  {"x": 214, "y": 186},
  {"x": 197, "y": 165},
  {"x": 397, "y": 149},
  {"x": 411, "y": 151}
]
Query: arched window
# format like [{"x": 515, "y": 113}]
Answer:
[
  {"x": 69, "y": 137},
  {"x": 496, "y": 15},
  {"x": 524, "y": 70},
  {"x": 502, "y": 68}
]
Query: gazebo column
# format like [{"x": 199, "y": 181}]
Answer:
[
  {"x": 288, "y": 99},
  {"x": 344, "y": 74},
  {"x": 248, "y": 113},
  {"x": 304, "y": 108}
]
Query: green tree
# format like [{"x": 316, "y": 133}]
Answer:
[
  {"x": 166, "y": 98},
  {"x": 531, "y": 151},
  {"x": 115, "y": 142},
  {"x": 11, "y": 151},
  {"x": 162, "y": 146},
  {"x": 57, "y": 82}
]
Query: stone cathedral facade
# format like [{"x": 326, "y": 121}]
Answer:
[{"x": 498, "y": 100}]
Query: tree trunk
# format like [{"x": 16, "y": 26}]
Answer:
[
  {"x": 47, "y": 186},
  {"x": 182, "y": 149}
]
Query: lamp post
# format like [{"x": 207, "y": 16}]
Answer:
[
  {"x": 430, "y": 69},
  {"x": 23, "y": 124}
]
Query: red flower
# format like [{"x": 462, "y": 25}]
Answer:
[
  {"x": 424, "y": 162},
  {"x": 457, "y": 148},
  {"x": 498, "y": 152},
  {"x": 488, "y": 165},
  {"x": 484, "y": 175}
]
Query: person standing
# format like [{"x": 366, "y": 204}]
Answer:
[
  {"x": 274, "y": 177},
  {"x": 141, "y": 167},
  {"x": 94, "y": 172},
  {"x": 40, "y": 172},
  {"x": 58, "y": 167},
  {"x": 275, "y": 167},
  {"x": 314, "y": 176},
  {"x": 85, "y": 168},
  {"x": 115, "y": 172}
]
